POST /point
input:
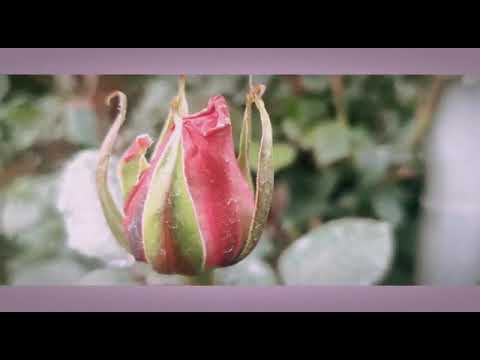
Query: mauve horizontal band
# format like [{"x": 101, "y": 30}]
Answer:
[
  {"x": 222, "y": 298},
  {"x": 240, "y": 61}
]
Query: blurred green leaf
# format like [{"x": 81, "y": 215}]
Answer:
[
  {"x": 373, "y": 162},
  {"x": 108, "y": 276},
  {"x": 311, "y": 191},
  {"x": 251, "y": 271},
  {"x": 151, "y": 109},
  {"x": 265, "y": 246},
  {"x": 292, "y": 130},
  {"x": 311, "y": 108},
  {"x": 41, "y": 241},
  {"x": 283, "y": 155},
  {"x": 27, "y": 203},
  {"x": 387, "y": 204},
  {"x": 349, "y": 251},
  {"x": 4, "y": 86},
  {"x": 316, "y": 82},
  {"x": 151, "y": 277},
  {"x": 330, "y": 142},
  {"x": 20, "y": 117},
  {"x": 62, "y": 271},
  {"x": 29, "y": 121},
  {"x": 80, "y": 124}
]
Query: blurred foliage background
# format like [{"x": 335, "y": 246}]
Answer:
[{"x": 349, "y": 176}]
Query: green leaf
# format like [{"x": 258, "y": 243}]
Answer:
[
  {"x": 388, "y": 206},
  {"x": 265, "y": 247},
  {"x": 349, "y": 251},
  {"x": 151, "y": 108},
  {"x": 311, "y": 191},
  {"x": 316, "y": 83},
  {"x": 62, "y": 271},
  {"x": 4, "y": 86},
  {"x": 30, "y": 121},
  {"x": 330, "y": 143},
  {"x": 108, "y": 276},
  {"x": 151, "y": 277},
  {"x": 28, "y": 201},
  {"x": 283, "y": 155},
  {"x": 137, "y": 274},
  {"x": 373, "y": 162},
  {"x": 41, "y": 241},
  {"x": 251, "y": 271},
  {"x": 293, "y": 131},
  {"x": 154, "y": 278},
  {"x": 80, "y": 121}
]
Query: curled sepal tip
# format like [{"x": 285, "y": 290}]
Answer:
[{"x": 114, "y": 217}]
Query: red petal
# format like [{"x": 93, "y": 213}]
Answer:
[
  {"x": 140, "y": 144},
  {"x": 222, "y": 198}
]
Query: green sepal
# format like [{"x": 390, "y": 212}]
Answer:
[
  {"x": 113, "y": 215},
  {"x": 130, "y": 168},
  {"x": 154, "y": 217},
  {"x": 185, "y": 223},
  {"x": 181, "y": 105},
  {"x": 265, "y": 177},
  {"x": 245, "y": 139}
]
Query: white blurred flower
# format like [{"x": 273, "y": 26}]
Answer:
[{"x": 87, "y": 230}]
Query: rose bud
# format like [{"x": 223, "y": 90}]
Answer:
[{"x": 192, "y": 206}]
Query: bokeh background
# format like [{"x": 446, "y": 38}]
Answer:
[{"x": 376, "y": 178}]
